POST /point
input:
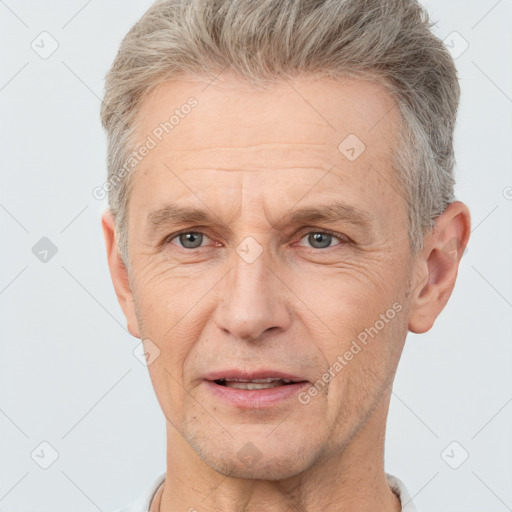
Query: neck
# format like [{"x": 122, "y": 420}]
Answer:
[{"x": 350, "y": 478}]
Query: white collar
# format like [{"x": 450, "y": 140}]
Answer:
[{"x": 144, "y": 501}]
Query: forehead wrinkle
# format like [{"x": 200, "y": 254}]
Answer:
[
  {"x": 279, "y": 146},
  {"x": 254, "y": 169},
  {"x": 299, "y": 156}
]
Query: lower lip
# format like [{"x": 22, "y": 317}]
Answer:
[{"x": 256, "y": 398}]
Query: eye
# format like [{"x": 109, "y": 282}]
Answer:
[
  {"x": 188, "y": 239},
  {"x": 316, "y": 239},
  {"x": 323, "y": 239}
]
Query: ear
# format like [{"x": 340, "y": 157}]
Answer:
[
  {"x": 119, "y": 273},
  {"x": 437, "y": 264}
]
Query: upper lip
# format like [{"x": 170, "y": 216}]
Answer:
[{"x": 238, "y": 375}]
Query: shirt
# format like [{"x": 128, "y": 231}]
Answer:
[{"x": 144, "y": 501}]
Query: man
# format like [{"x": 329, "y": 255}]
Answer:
[{"x": 281, "y": 216}]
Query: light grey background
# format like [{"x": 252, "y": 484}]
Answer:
[{"x": 68, "y": 373}]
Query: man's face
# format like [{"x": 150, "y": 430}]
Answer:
[{"x": 255, "y": 290}]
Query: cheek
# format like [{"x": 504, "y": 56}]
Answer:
[
  {"x": 174, "y": 341},
  {"x": 167, "y": 310},
  {"x": 347, "y": 299},
  {"x": 338, "y": 309},
  {"x": 357, "y": 320},
  {"x": 165, "y": 295}
]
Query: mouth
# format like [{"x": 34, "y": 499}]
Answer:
[
  {"x": 254, "y": 390},
  {"x": 253, "y": 383}
]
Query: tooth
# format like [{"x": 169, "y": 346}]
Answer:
[
  {"x": 253, "y": 385},
  {"x": 270, "y": 379}
]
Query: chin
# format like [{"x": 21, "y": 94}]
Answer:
[
  {"x": 274, "y": 468},
  {"x": 264, "y": 462}
]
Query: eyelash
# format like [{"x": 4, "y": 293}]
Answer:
[{"x": 343, "y": 239}]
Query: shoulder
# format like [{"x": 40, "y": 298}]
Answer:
[
  {"x": 144, "y": 500},
  {"x": 398, "y": 487}
]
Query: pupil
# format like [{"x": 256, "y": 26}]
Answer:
[
  {"x": 190, "y": 238},
  {"x": 315, "y": 238}
]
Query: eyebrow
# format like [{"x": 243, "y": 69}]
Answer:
[
  {"x": 331, "y": 213},
  {"x": 173, "y": 214}
]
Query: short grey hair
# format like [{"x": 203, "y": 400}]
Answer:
[{"x": 388, "y": 42}]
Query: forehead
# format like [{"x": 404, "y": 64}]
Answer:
[
  {"x": 282, "y": 139},
  {"x": 299, "y": 112}
]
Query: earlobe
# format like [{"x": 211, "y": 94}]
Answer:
[
  {"x": 437, "y": 266},
  {"x": 119, "y": 273}
]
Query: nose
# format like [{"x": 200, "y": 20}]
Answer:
[{"x": 253, "y": 300}]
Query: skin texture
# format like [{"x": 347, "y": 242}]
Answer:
[{"x": 248, "y": 158}]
